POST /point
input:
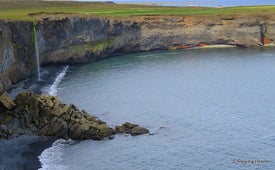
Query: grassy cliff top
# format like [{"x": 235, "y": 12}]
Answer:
[{"x": 19, "y": 10}]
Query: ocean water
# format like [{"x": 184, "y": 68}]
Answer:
[{"x": 205, "y": 108}]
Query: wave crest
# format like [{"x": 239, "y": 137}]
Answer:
[
  {"x": 53, "y": 89},
  {"x": 51, "y": 158}
]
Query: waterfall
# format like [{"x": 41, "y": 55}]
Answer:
[{"x": 37, "y": 53}]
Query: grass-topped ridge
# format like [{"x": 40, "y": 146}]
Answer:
[{"x": 20, "y": 10}]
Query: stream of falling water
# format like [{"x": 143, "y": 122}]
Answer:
[{"x": 37, "y": 54}]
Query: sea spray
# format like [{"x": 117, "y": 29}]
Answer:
[
  {"x": 50, "y": 158},
  {"x": 58, "y": 79},
  {"x": 37, "y": 53}
]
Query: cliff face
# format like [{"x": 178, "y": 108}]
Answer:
[
  {"x": 17, "y": 61},
  {"x": 189, "y": 31},
  {"x": 82, "y": 38}
]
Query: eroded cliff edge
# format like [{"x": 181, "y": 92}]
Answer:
[{"x": 70, "y": 39}]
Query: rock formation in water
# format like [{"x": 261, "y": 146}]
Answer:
[
  {"x": 77, "y": 38},
  {"x": 132, "y": 129},
  {"x": 44, "y": 115}
]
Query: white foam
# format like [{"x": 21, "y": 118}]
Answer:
[
  {"x": 58, "y": 79},
  {"x": 51, "y": 158}
]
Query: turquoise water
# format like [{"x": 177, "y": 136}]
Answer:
[{"x": 206, "y": 109}]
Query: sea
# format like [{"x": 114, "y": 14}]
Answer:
[{"x": 205, "y": 109}]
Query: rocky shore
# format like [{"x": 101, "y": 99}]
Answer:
[{"x": 44, "y": 115}]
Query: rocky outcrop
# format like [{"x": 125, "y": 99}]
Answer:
[
  {"x": 7, "y": 102},
  {"x": 132, "y": 129},
  {"x": 78, "y": 38},
  {"x": 44, "y": 115}
]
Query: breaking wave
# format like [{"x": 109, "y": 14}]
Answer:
[{"x": 53, "y": 89}]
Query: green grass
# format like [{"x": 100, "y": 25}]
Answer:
[
  {"x": 95, "y": 47},
  {"x": 19, "y": 10}
]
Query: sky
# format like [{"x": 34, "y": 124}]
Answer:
[{"x": 199, "y": 2}]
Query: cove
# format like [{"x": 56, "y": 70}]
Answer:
[{"x": 206, "y": 108}]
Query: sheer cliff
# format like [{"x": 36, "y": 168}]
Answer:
[{"x": 69, "y": 38}]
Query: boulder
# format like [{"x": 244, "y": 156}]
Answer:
[
  {"x": 3, "y": 132},
  {"x": 139, "y": 131},
  {"x": 132, "y": 129},
  {"x": 120, "y": 129},
  {"x": 6, "y": 101},
  {"x": 128, "y": 125}
]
